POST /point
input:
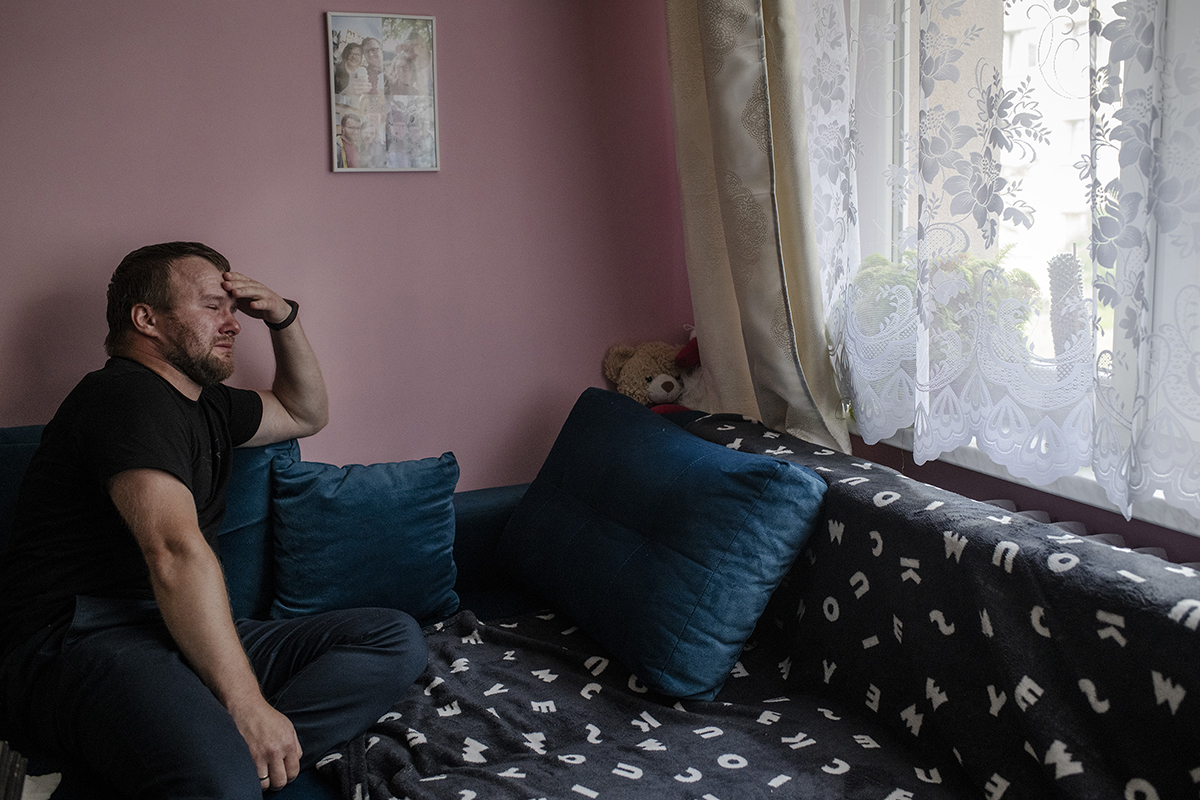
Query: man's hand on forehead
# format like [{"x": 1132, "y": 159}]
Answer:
[{"x": 254, "y": 299}]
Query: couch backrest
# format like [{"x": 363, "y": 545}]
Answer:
[
  {"x": 17, "y": 446},
  {"x": 245, "y": 538},
  {"x": 1049, "y": 663}
]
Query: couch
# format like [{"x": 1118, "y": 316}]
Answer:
[{"x": 694, "y": 605}]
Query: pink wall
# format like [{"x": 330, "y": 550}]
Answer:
[{"x": 460, "y": 310}]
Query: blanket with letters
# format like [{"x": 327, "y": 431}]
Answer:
[
  {"x": 532, "y": 708},
  {"x": 924, "y": 645},
  {"x": 1049, "y": 663}
]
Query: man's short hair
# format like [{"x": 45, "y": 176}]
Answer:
[{"x": 144, "y": 276}]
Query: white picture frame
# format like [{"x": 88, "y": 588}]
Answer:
[{"x": 383, "y": 92}]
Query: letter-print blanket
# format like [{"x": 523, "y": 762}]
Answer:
[
  {"x": 532, "y": 708},
  {"x": 1049, "y": 663}
]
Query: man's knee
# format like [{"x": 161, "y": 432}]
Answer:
[
  {"x": 399, "y": 639},
  {"x": 373, "y": 658},
  {"x": 373, "y": 651}
]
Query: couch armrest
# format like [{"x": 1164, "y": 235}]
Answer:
[
  {"x": 479, "y": 518},
  {"x": 482, "y": 586}
]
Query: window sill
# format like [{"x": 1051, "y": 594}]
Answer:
[{"x": 1081, "y": 487}]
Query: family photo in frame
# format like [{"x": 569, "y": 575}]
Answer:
[{"x": 382, "y": 74}]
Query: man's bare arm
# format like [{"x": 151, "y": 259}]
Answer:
[
  {"x": 297, "y": 404},
  {"x": 190, "y": 591}
]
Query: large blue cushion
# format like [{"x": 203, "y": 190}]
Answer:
[
  {"x": 245, "y": 538},
  {"x": 245, "y": 542},
  {"x": 662, "y": 546},
  {"x": 17, "y": 446},
  {"x": 359, "y": 536}
]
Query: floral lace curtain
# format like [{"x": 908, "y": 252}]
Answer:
[{"x": 1007, "y": 200}]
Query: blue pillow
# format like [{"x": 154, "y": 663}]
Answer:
[
  {"x": 662, "y": 546},
  {"x": 17, "y": 446},
  {"x": 361, "y": 536},
  {"x": 245, "y": 543}
]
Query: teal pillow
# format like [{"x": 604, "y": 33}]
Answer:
[
  {"x": 245, "y": 543},
  {"x": 362, "y": 536},
  {"x": 662, "y": 546},
  {"x": 17, "y": 446}
]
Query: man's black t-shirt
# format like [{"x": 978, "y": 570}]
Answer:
[{"x": 67, "y": 537}]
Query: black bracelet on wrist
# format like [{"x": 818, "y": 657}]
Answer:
[{"x": 278, "y": 326}]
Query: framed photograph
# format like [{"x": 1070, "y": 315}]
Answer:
[{"x": 383, "y": 82}]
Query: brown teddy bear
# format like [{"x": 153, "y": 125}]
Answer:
[{"x": 646, "y": 372}]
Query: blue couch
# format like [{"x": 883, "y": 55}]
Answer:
[
  {"x": 247, "y": 547},
  {"x": 860, "y": 635}
]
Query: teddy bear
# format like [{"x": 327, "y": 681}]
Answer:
[{"x": 645, "y": 372}]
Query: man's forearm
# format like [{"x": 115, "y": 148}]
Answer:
[
  {"x": 297, "y": 404},
  {"x": 186, "y": 578},
  {"x": 190, "y": 591},
  {"x": 299, "y": 385}
]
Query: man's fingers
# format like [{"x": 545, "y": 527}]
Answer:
[
  {"x": 273, "y": 744},
  {"x": 292, "y": 764},
  {"x": 255, "y": 298},
  {"x": 282, "y": 772},
  {"x": 277, "y": 777},
  {"x": 239, "y": 285}
]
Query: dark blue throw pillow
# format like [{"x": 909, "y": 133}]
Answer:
[
  {"x": 17, "y": 446},
  {"x": 246, "y": 545},
  {"x": 662, "y": 546},
  {"x": 360, "y": 536}
]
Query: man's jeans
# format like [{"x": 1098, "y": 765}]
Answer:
[{"x": 112, "y": 689}]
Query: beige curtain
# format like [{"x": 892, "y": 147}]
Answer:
[{"x": 748, "y": 224}]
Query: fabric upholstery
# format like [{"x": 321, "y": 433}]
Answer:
[
  {"x": 662, "y": 546},
  {"x": 988, "y": 635},
  {"x": 531, "y": 720},
  {"x": 360, "y": 536},
  {"x": 245, "y": 542},
  {"x": 17, "y": 446}
]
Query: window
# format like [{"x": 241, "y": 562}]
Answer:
[{"x": 1008, "y": 201}]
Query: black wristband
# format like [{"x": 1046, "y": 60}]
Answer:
[{"x": 278, "y": 326}]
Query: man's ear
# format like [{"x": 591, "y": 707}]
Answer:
[{"x": 145, "y": 319}]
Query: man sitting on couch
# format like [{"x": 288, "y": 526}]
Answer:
[{"x": 117, "y": 644}]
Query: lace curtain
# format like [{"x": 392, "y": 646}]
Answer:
[{"x": 1007, "y": 200}]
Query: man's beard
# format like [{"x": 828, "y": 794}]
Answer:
[{"x": 190, "y": 356}]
